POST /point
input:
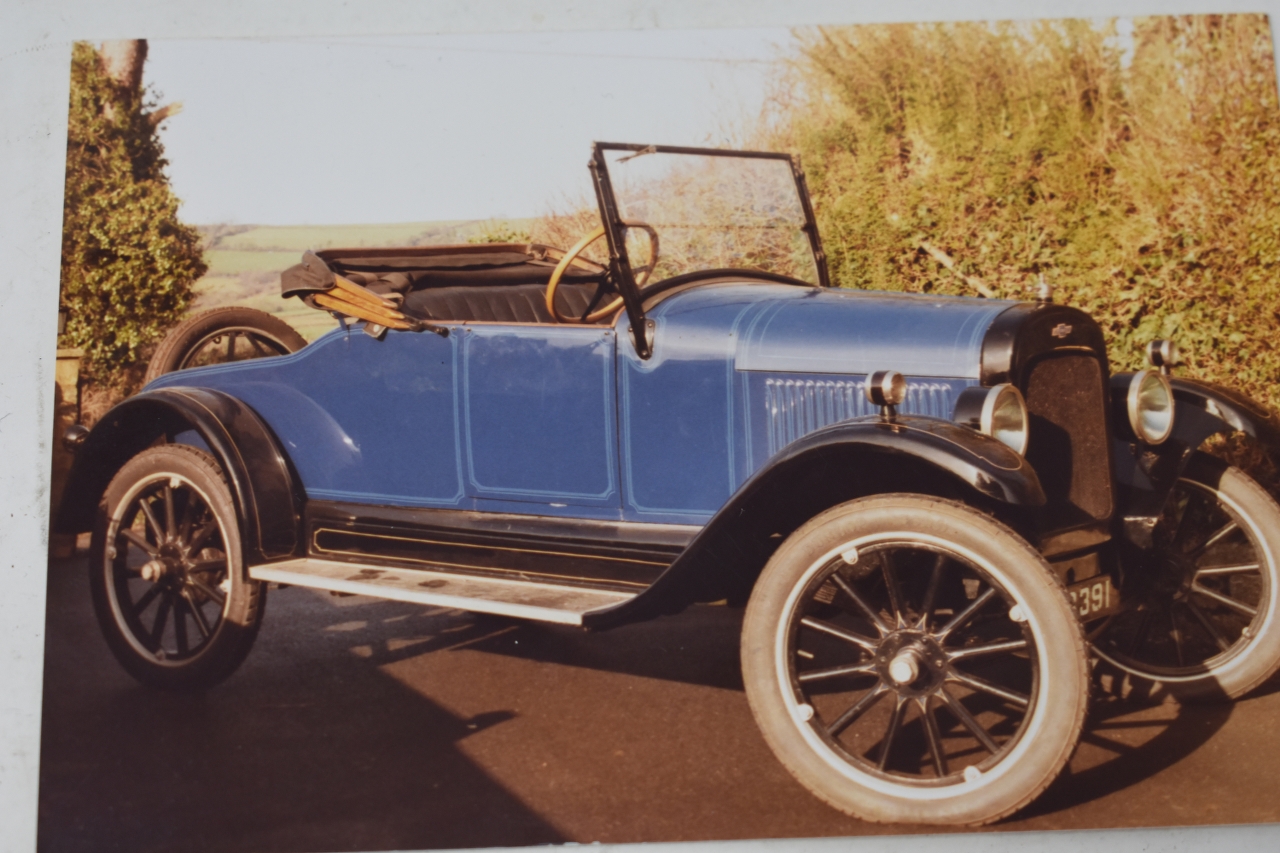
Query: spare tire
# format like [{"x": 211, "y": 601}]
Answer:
[{"x": 222, "y": 335}]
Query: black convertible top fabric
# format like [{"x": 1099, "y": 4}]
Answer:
[
  {"x": 489, "y": 260},
  {"x": 311, "y": 276},
  {"x": 411, "y": 271}
]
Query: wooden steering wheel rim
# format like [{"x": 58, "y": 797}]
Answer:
[{"x": 569, "y": 257}]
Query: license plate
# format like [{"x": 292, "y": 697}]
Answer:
[{"x": 1094, "y": 597}]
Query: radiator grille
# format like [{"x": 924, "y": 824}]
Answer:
[
  {"x": 797, "y": 407},
  {"x": 1068, "y": 443}
]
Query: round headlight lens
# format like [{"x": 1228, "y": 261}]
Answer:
[
  {"x": 1151, "y": 406},
  {"x": 1004, "y": 417}
]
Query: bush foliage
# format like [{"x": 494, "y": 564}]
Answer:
[
  {"x": 1140, "y": 176},
  {"x": 128, "y": 263}
]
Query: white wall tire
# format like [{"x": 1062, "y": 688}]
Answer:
[{"x": 1020, "y": 639}]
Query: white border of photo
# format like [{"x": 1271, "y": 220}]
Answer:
[{"x": 35, "y": 44}]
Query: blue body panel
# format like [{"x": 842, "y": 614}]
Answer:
[{"x": 563, "y": 421}]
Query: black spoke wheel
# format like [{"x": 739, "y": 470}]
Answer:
[
  {"x": 911, "y": 660},
  {"x": 221, "y": 336},
  {"x": 166, "y": 571},
  {"x": 1201, "y": 616}
]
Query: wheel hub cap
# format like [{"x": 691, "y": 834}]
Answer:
[
  {"x": 911, "y": 662},
  {"x": 905, "y": 667}
]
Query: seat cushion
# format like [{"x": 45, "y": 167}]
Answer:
[{"x": 522, "y": 303}]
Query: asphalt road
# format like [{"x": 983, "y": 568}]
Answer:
[{"x": 359, "y": 724}]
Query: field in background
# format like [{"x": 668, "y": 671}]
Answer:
[{"x": 245, "y": 261}]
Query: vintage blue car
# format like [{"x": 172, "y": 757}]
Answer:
[{"x": 936, "y": 510}]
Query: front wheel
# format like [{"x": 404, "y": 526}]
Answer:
[
  {"x": 166, "y": 573},
  {"x": 1203, "y": 620},
  {"x": 911, "y": 660}
]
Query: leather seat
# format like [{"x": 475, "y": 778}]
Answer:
[{"x": 522, "y": 303}]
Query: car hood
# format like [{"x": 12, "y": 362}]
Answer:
[{"x": 788, "y": 329}]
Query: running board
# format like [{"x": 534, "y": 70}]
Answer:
[{"x": 543, "y": 602}]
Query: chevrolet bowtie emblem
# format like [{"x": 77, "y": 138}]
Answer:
[{"x": 1061, "y": 330}]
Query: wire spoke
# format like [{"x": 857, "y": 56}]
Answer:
[
  {"x": 891, "y": 585},
  {"x": 170, "y": 519},
  {"x": 933, "y": 736},
  {"x": 1222, "y": 533},
  {"x": 257, "y": 345},
  {"x": 147, "y": 597},
  {"x": 180, "y": 624},
  {"x": 184, "y": 529},
  {"x": 1220, "y": 640},
  {"x": 142, "y": 543},
  {"x": 1226, "y": 601},
  {"x": 931, "y": 592},
  {"x": 152, "y": 520},
  {"x": 214, "y": 595},
  {"x": 861, "y": 603},
  {"x": 1214, "y": 571},
  {"x": 1177, "y": 638},
  {"x": 856, "y": 710},
  {"x": 988, "y": 649},
  {"x": 836, "y": 672},
  {"x": 1019, "y": 699},
  {"x": 967, "y": 720},
  {"x": 894, "y": 722},
  {"x": 162, "y": 617},
  {"x": 836, "y": 631},
  {"x": 197, "y": 616},
  {"x": 965, "y": 615},
  {"x": 201, "y": 535},
  {"x": 1140, "y": 635},
  {"x": 208, "y": 565}
]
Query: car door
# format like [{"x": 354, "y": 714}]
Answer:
[{"x": 539, "y": 422}]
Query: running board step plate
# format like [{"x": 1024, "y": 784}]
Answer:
[{"x": 543, "y": 602}]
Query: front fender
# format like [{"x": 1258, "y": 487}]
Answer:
[
  {"x": 1147, "y": 473},
  {"x": 262, "y": 484},
  {"x": 829, "y": 466}
]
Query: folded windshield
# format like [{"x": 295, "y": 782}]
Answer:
[{"x": 713, "y": 210}]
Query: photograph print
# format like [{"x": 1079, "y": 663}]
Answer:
[{"x": 500, "y": 440}]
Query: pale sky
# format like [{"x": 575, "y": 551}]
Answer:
[{"x": 404, "y": 129}]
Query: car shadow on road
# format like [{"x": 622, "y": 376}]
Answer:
[
  {"x": 698, "y": 646},
  {"x": 303, "y": 749},
  {"x": 1124, "y": 742}
]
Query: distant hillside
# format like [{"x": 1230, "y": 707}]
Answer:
[{"x": 245, "y": 261}]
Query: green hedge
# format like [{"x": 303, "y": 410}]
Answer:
[
  {"x": 1139, "y": 175},
  {"x": 128, "y": 263}
]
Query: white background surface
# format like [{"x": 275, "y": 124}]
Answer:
[{"x": 35, "y": 37}]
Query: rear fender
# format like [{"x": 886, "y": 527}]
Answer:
[
  {"x": 827, "y": 467},
  {"x": 1147, "y": 473},
  {"x": 262, "y": 483}
]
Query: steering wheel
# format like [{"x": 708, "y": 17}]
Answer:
[{"x": 642, "y": 273}]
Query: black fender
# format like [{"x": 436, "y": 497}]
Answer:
[
  {"x": 263, "y": 485},
  {"x": 1147, "y": 473},
  {"x": 827, "y": 467}
]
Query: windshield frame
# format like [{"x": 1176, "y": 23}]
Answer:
[{"x": 615, "y": 229}]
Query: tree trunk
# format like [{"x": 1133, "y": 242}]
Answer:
[{"x": 122, "y": 61}]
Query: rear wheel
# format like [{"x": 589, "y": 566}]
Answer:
[
  {"x": 222, "y": 335},
  {"x": 166, "y": 573},
  {"x": 910, "y": 660},
  {"x": 1202, "y": 622}
]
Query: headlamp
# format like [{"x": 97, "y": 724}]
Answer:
[
  {"x": 1150, "y": 406},
  {"x": 999, "y": 412}
]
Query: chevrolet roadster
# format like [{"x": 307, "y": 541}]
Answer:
[{"x": 937, "y": 511}]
